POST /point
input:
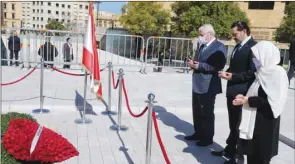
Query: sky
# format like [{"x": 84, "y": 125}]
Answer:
[{"x": 113, "y": 7}]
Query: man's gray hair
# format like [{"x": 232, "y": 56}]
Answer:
[{"x": 208, "y": 28}]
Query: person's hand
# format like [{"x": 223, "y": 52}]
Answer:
[
  {"x": 240, "y": 100},
  {"x": 193, "y": 64},
  {"x": 225, "y": 75}
]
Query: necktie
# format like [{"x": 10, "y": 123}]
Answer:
[
  {"x": 236, "y": 49},
  {"x": 202, "y": 50}
]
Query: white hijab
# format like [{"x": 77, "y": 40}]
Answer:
[{"x": 273, "y": 80}]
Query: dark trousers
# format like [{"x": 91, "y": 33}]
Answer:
[
  {"x": 14, "y": 54},
  {"x": 234, "y": 115},
  {"x": 256, "y": 160},
  {"x": 291, "y": 71},
  {"x": 203, "y": 116},
  {"x": 67, "y": 65}
]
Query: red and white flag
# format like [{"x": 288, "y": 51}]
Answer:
[{"x": 90, "y": 60}]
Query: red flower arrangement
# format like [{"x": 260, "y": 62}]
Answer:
[{"x": 51, "y": 147}]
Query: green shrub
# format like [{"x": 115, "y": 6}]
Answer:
[{"x": 5, "y": 119}]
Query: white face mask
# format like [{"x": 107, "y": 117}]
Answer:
[
  {"x": 257, "y": 63},
  {"x": 202, "y": 40}
]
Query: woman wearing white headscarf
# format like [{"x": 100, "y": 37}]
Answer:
[{"x": 263, "y": 105}]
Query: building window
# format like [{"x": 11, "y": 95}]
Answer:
[
  {"x": 49, "y": 4},
  {"x": 261, "y": 5},
  {"x": 37, "y": 18},
  {"x": 5, "y": 23},
  {"x": 41, "y": 18},
  {"x": 33, "y": 18},
  {"x": 37, "y": 26},
  {"x": 41, "y": 26},
  {"x": 69, "y": 14},
  {"x": 41, "y": 3},
  {"x": 56, "y": 20},
  {"x": 42, "y": 11},
  {"x": 69, "y": 21},
  {"x": 57, "y": 12},
  {"x": 13, "y": 6},
  {"x": 69, "y": 6},
  {"x": 33, "y": 2},
  {"x": 4, "y": 5},
  {"x": 81, "y": 6},
  {"x": 34, "y": 25},
  {"x": 63, "y": 13},
  {"x": 62, "y": 20},
  {"x": 33, "y": 10},
  {"x": 57, "y": 5},
  {"x": 49, "y": 11},
  {"x": 38, "y": 3},
  {"x": 13, "y": 24},
  {"x": 5, "y": 15},
  {"x": 13, "y": 15},
  {"x": 63, "y": 5},
  {"x": 49, "y": 19},
  {"x": 37, "y": 10},
  {"x": 86, "y": 7}
]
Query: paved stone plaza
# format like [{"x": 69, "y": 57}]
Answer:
[{"x": 98, "y": 144}]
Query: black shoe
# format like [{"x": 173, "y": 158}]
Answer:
[
  {"x": 239, "y": 159},
  {"x": 192, "y": 137},
  {"x": 203, "y": 143},
  {"x": 221, "y": 153}
]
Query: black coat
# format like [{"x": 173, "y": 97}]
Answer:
[
  {"x": 48, "y": 51},
  {"x": 242, "y": 68},
  {"x": 266, "y": 132},
  {"x": 14, "y": 43},
  {"x": 292, "y": 51}
]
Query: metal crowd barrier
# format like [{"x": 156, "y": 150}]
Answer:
[
  {"x": 168, "y": 52},
  {"x": 121, "y": 50}
]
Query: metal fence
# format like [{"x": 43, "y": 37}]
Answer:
[{"x": 120, "y": 49}]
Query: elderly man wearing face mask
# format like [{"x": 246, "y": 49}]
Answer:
[
  {"x": 211, "y": 58},
  {"x": 240, "y": 76}
]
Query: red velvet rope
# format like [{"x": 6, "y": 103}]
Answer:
[
  {"x": 127, "y": 103},
  {"x": 113, "y": 77},
  {"x": 159, "y": 138},
  {"x": 67, "y": 73},
  {"x": 4, "y": 84}
]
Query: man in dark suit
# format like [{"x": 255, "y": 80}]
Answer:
[
  {"x": 68, "y": 53},
  {"x": 240, "y": 76},
  {"x": 292, "y": 59},
  {"x": 14, "y": 47},
  {"x": 206, "y": 84},
  {"x": 48, "y": 51}
]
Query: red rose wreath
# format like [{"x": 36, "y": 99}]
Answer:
[{"x": 51, "y": 147}]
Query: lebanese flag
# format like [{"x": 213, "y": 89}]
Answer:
[{"x": 90, "y": 55}]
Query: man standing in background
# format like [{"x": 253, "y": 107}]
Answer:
[
  {"x": 292, "y": 59},
  {"x": 67, "y": 50},
  {"x": 14, "y": 47},
  {"x": 240, "y": 76}
]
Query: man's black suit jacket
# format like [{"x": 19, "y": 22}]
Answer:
[{"x": 243, "y": 69}]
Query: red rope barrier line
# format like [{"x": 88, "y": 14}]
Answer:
[
  {"x": 113, "y": 79},
  {"x": 4, "y": 84},
  {"x": 67, "y": 73},
  {"x": 127, "y": 103},
  {"x": 159, "y": 138}
]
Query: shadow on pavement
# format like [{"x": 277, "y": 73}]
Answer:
[{"x": 202, "y": 154}]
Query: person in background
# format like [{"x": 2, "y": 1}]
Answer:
[
  {"x": 206, "y": 84},
  {"x": 292, "y": 59},
  {"x": 3, "y": 54},
  {"x": 263, "y": 105},
  {"x": 68, "y": 53},
  {"x": 47, "y": 51},
  {"x": 240, "y": 76},
  {"x": 14, "y": 46}
]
